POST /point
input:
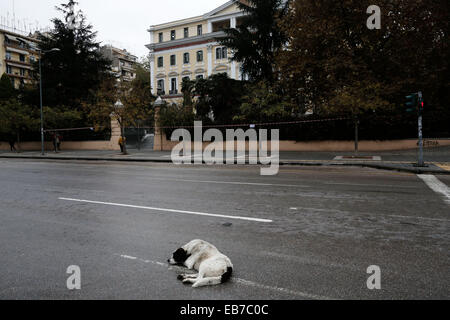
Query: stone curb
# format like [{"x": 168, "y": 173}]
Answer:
[{"x": 379, "y": 166}]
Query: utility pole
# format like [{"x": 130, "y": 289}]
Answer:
[
  {"x": 415, "y": 100},
  {"x": 421, "y": 104}
]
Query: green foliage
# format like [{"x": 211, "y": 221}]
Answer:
[
  {"x": 7, "y": 90},
  {"x": 218, "y": 96},
  {"x": 136, "y": 99},
  {"x": 255, "y": 40},
  {"x": 16, "y": 118},
  {"x": 61, "y": 117},
  {"x": 70, "y": 74},
  {"x": 263, "y": 103},
  {"x": 335, "y": 64},
  {"x": 172, "y": 117}
]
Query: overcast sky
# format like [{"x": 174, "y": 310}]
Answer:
[{"x": 123, "y": 23}]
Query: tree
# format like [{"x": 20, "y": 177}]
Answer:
[
  {"x": 335, "y": 64},
  {"x": 70, "y": 74},
  {"x": 262, "y": 103},
  {"x": 7, "y": 90},
  {"x": 254, "y": 41},
  {"x": 218, "y": 96},
  {"x": 16, "y": 118},
  {"x": 128, "y": 103}
]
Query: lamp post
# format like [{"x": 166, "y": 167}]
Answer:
[
  {"x": 119, "y": 106},
  {"x": 40, "y": 95}
]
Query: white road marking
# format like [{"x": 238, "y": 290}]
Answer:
[
  {"x": 283, "y": 290},
  {"x": 240, "y": 183},
  {"x": 436, "y": 185},
  {"x": 420, "y": 218},
  {"x": 168, "y": 210},
  {"x": 237, "y": 280},
  {"x": 366, "y": 185}
]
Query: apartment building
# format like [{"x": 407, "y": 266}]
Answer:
[
  {"x": 123, "y": 64},
  {"x": 188, "y": 49},
  {"x": 17, "y": 56}
]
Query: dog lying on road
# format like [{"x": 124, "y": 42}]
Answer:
[{"x": 213, "y": 267}]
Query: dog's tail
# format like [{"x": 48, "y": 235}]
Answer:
[{"x": 227, "y": 275}]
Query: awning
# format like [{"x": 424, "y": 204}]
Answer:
[
  {"x": 11, "y": 49},
  {"x": 12, "y": 38},
  {"x": 18, "y": 65}
]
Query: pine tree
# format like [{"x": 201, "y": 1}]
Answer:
[
  {"x": 254, "y": 41},
  {"x": 69, "y": 74}
]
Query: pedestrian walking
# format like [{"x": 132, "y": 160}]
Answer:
[
  {"x": 55, "y": 142},
  {"x": 58, "y": 141},
  {"x": 12, "y": 142},
  {"x": 122, "y": 144}
]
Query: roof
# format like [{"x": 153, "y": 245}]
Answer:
[{"x": 192, "y": 19}]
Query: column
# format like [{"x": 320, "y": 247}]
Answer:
[
  {"x": 233, "y": 70},
  {"x": 152, "y": 73},
  {"x": 210, "y": 58},
  {"x": 233, "y": 23},
  {"x": 209, "y": 27}
]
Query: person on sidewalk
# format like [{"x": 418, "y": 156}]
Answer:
[
  {"x": 122, "y": 142},
  {"x": 12, "y": 142},
  {"x": 55, "y": 142},
  {"x": 58, "y": 141}
]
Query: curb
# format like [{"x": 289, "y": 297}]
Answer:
[{"x": 387, "y": 167}]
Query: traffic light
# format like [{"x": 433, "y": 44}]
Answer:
[
  {"x": 412, "y": 102},
  {"x": 420, "y": 101}
]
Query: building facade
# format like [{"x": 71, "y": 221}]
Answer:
[
  {"x": 188, "y": 49},
  {"x": 123, "y": 64},
  {"x": 17, "y": 56}
]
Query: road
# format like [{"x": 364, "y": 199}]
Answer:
[{"x": 308, "y": 233}]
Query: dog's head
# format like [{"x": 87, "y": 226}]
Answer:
[{"x": 179, "y": 257}]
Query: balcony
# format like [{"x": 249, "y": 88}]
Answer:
[{"x": 173, "y": 92}]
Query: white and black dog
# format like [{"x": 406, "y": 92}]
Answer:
[{"x": 213, "y": 267}]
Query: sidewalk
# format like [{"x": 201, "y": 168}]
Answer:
[{"x": 438, "y": 159}]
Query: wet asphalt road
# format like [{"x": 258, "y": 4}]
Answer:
[{"x": 329, "y": 225}]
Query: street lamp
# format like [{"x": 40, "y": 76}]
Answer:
[
  {"x": 40, "y": 94},
  {"x": 119, "y": 106}
]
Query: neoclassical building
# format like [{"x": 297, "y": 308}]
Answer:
[{"x": 188, "y": 49}]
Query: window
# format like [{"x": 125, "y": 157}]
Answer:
[
  {"x": 160, "y": 37},
  {"x": 199, "y": 30},
  {"x": 160, "y": 62},
  {"x": 7, "y": 41},
  {"x": 173, "y": 86},
  {"x": 221, "y": 53},
  {"x": 173, "y": 60},
  {"x": 8, "y": 55},
  {"x": 8, "y": 70},
  {"x": 186, "y": 58},
  {"x": 199, "y": 77},
  {"x": 32, "y": 59},
  {"x": 173, "y": 35},
  {"x": 22, "y": 72},
  {"x": 161, "y": 86},
  {"x": 22, "y": 58},
  {"x": 13, "y": 82},
  {"x": 199, "y": 56},
  {"x": 186, "y": 32},
  {"x": 186, "y": 79}
]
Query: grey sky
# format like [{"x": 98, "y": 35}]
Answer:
[{"x": 123, "y": 23}]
